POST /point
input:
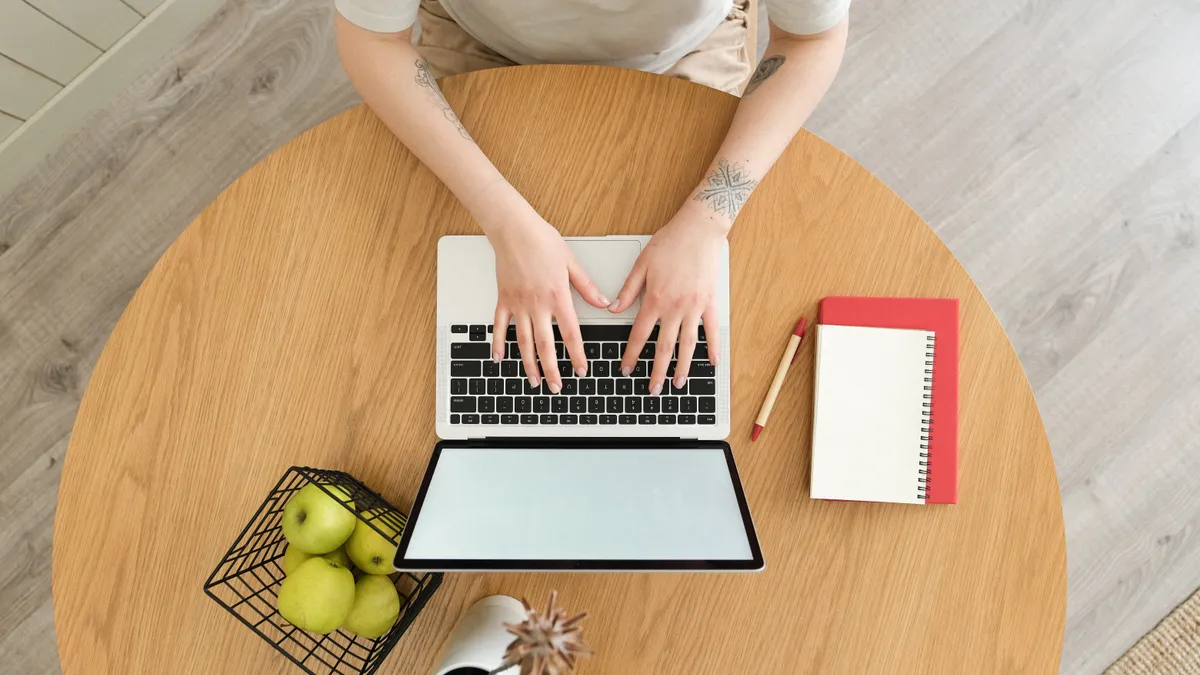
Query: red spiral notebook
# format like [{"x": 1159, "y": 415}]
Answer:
[{"x": 885, "y": 418}]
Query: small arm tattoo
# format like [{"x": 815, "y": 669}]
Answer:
[
  {"x": 425, "y": 79},
  {"x": 727, "y": 189},
  {"x": 766, "y": 69}
]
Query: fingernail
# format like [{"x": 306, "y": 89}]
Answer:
[
  {"x": 679, "y": 383},
  {"x": 555, "y": 387},
  {"x": 581, "y": 372},
  {"x": 533, "y": 380},
  {"x": 615, "y": 304},
  {"x": 626, "y": 370},
  {"x": 656, "y": 389},
  {"x": 604, "y": 301},
  {"x": 716, "y": 359},
  {"x": 495, "y": 358}
]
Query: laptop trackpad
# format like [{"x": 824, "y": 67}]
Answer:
[{"x": 607, "y": 262}]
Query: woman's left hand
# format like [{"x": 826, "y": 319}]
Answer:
[{"x": 678, "y": 270}]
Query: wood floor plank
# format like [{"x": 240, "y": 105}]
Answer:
[{"x": 1055, "y": 146}]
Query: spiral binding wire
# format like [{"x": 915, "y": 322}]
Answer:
[{"x": 926, "y": 423}]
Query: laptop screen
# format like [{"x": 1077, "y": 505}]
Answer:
[{"x": 553, "y": 507}]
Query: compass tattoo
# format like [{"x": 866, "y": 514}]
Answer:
[
  {"x": 425, "y": 79},
  {"x": 727, "y": 189}
]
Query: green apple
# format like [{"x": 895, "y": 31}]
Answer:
[
  {"x": 293, "y": 556},
  {"x": 317, "y": 596},
  {"x": 376, "y": 607},
  {"x": 372, "y": 552},
  {"x": 316, "y": 523}
]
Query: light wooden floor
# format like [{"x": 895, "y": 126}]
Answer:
[{"x": 1055, "y": 146}]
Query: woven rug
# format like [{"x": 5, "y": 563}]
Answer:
[{"x": 1172, "y": 648}]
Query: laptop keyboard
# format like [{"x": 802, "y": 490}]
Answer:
[{"x": 485, "y": 392}]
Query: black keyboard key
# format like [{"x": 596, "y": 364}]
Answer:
[
  {"x": 570, "y": 386},
  {"x": 611, "y": 351},
  {"x": 587, "y": 387},
  {"x": 679, "y": 391},
  {"x": 508, "y": 369},
  {"x": 458, "y": 386},
  {"x": 529, "y": 419},
  {"x": 641, "y": 387},
  {"x": 578, "y": 404},
  {"x": 455, "y": 419},
  {"x": 462, "y": 404},
  {"x": 458, "y": 328},
  {"x": 560, "y": 351},
  {"x": 478, "y": 328},
  {"x": 478, "y": 337},
  {"x": 628, "y": 419},
  {"x": 600, "y": 332},
  {"x": 666, "y": 419},
  {"x": 596, "y": 404},
  {"x": 591, "y": 350},
  {"x": 606, "y": 387},
  {"x": 686, "y": 419},
  {"x": 495, "y": 386},
  {"x": 701, "y": 353},
  {"x": 708, "y": 419},
  {"x": 511, "y": 334},
  {"x": 491, "y": 419},
  {"x": 599, "y": 369},
  {"x": 687, "y": 404},
  {"x": 647, "y": 351},
  {"x": 548, "y": 419},
  {"x": 624, "y": 386},
  {"x": 504, "y": 404},
  {"x": 470, "y": 419},
  {"x": 615, "y": 368},
  {"x": 613, "y": 404},
  {"x": 513, "y": 386},
  {"x": 530, "y": 389},
  {"x": 640, "y": 369},
  {"x": 565, "y": 369},
  {"x": 465, "y": 369},
  {"x": 670, "y": 404},
  {"x": 702, "y": 387},
  {"x": 512, "y": 351},
  {"x": 702, "y": 369},
  {"x": 568, "y": 419},
  {"x": 489, "y": 328},
  {"x": 633, "y": 404},
  {"x": 523, "y": 404},
  {"x": 470, "y": 350},
  {"x": 509, "y": 419},
  {"x": 646, "y": 419},
  {"x": 708, "y": 404},
  {"x": 588, "y": 419},
  {"x": 608, "y": 419},
  {"x": 653, "y": 334},
  {"x": 700, "y": 332},
  {"x": 491, "y": 369},
  {"x": 541, "y": 404},
  {"x": 486, "y": 404},
  {"x": 558, "y": 404},
  {"x": 650, "y": 404},
  {"x": 478, "y": 386}
]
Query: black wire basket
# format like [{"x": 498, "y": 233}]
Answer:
[{"x": 246, "y": 582}]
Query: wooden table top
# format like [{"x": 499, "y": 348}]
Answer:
[{"x": 293, "y": 321}]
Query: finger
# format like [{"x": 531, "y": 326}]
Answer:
[
  {"x": 499, "y": 331},
  {"x": 629, "y": 292},
  {"x": 528, "y": 352},
  {"x": 643, "y": 325},
  {"x": 688, "y": 334},
  {"x": 543, "y": 330},
  {"x": 587, "y": 288},
  {"x": 568, "y": 326},
  {"x": 668, "y": 331},
  {"x": 712, "y": 334}
]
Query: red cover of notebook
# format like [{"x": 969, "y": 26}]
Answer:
[{"x": 939, "y": 315}]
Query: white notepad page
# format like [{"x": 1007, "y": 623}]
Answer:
[{"x": 868, "y": 413}]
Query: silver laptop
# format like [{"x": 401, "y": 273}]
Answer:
[{"x": 477, "y": 398}]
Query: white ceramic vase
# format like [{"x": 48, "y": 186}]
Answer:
[{"x": 480, "y": 638}]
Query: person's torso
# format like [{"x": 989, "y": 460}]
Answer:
[{"x": 642, "y": 34}]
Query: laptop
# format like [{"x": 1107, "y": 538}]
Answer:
[{"x": 609, "y": 476}]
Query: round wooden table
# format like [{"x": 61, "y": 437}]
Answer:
[{"x": 293, "y": 323}]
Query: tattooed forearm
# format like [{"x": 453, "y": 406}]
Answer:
[
  {"x": 726, "y": 189},
  {"x": 426, "y": 80},
  {"x": 765, "y": 69}
]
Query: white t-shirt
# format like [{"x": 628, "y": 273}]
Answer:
[{"x": 646, "y": 35}]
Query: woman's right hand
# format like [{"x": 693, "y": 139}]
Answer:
[{"x": 535, "y": 270}]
